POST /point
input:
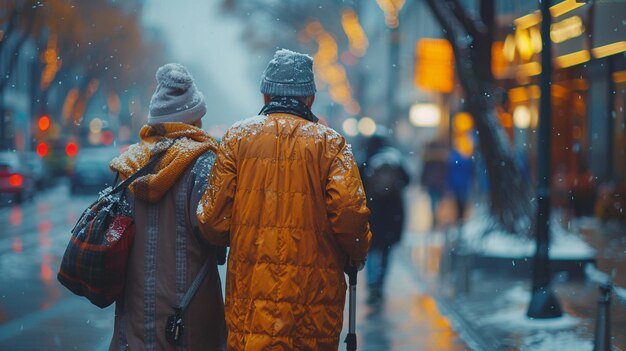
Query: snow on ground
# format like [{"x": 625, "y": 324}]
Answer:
[
  {"x": 536, "y": 334},
  {"x": 515, "y": 318},
  {"x": 550, "y": 341},
  {"x": 512, "y": 313},
  {"x": 483, "y": 237}
]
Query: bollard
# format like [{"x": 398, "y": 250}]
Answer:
[
  {"x": 463, "y": 273},
  {"x": 445, "y": 257},
  {"x": 602, "y": 339}
]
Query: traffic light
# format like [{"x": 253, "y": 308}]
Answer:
[
  {"x": 42, "y": 149},
  {"x": 71, "y": 149},
  {"x": 43, "y": 123}
]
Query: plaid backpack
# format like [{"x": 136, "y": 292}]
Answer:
[{"x": 94, "y": 263}]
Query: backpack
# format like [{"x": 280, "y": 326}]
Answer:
[{"x": 94, "y": 262}]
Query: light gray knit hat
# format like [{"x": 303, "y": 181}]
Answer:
[
  {"x": 288, "y": 74},
  {"x": 176, "y": 98}
]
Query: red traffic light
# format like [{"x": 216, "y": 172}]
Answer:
[
  {"x": 71, "y": 149},
  {"x": 42, "y": 149},
  {"x": 43, "y": 123}
]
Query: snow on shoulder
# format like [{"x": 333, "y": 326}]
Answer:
[
  {"x": 245, "y": 127},
  {"x": 320, "y": 132}
]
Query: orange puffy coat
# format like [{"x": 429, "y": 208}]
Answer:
[{"x": 286, "y": 195}]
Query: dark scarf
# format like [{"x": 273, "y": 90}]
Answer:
[{"x": 288, "y": 104}]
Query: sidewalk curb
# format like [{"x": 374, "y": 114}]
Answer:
[
  {"x": 461, "y": 326},
  {"x": 464, "y": 329}
]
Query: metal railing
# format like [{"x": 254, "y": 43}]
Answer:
[{"x": 602, "y": 336}]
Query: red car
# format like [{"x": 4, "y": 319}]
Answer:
[{"x": 14, "y": 179}]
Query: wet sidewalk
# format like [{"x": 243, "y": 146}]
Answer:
[
  {"x": 489, "y": 312},
  {"x": 491, "y": 309},
  {"x": 409, "y": 319}
]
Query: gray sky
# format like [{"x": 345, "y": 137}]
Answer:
[{"x": 208, "y": 43}]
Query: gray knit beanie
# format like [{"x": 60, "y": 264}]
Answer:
[
  {"x": 288, "y": 74},
  {"x": 176, "y": 98}
]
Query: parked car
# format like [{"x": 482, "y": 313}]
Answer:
[
  {"x": 38, "y": 168},
  {"x": 90, "y": 172},
  {"x": 15, "y": 179}
]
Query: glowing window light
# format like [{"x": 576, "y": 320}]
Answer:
[
  {"x": 391, "y": 8},
  {"x": 95, "y": 125},
  {"x": 367, "y": 126},
  {"x": 565, "y": 7},
  {"x": 509, "y": 48},
  {"x": 619, "y": 77},
  {"x": 535, "y": 39},
  {"x": 610, "y": 49},
  {"x": 528, "y": 20},
  {"x": 567, "y": 29},
  {"x": 524, "y": 44},
  {"x": 354, "y": 32},
  {"x": 350, "y": 127},
  {"x": 521, "y": 117},
  {"x": 425, "y": 115},
  {"x": 556, "y": 10},
  {"x": 573, "y": 59},
  {"x": 529, "y": 69},
  {"x": 463, "y": 122}
]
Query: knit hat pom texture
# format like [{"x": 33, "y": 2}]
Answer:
[{"x": 176, "y": 98}]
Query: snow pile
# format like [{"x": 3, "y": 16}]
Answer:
[
  {"x": 515, "y": 318},
  {"x": 482, "y": 236},
  {"x": 516, "y": 300},
  {"x": 600, "y": 277},
  {"x": 549, "y": 341}
]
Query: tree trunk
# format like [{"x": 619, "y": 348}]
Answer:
[{"x": 471, "y": 42}]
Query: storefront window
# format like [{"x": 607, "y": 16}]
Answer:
[{"x": 619, "y": 120}]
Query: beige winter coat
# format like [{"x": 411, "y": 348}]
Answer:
[{"x": 168, "y": 251}]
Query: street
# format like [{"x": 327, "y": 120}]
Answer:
[{"x": 37, "y": 313}]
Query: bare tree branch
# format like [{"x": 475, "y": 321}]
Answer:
[
  {"x": 473, "y": 27},
  {"x": 458, "y": 37},
  {"x": 6, "y": 75},
  {"x": 10, "y": 27},
  {"x": 509, "y": 192}
]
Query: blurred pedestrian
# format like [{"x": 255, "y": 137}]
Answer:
[
  {"x": 286, "y": 195},
  {"x": 384, "y": 178},
  {"x": 460, "y": 180},
  {"x": 434, "y": 174},
  {"x": 168, "y": 251}
]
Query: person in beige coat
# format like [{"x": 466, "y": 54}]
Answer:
[{"x": 168, "y": 251}]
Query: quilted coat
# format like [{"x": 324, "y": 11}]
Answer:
[{"x": 286, "y": 194}]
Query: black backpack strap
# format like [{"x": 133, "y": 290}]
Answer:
[{"x": 184, "y": 303}]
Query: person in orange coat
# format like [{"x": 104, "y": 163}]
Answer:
[{"x": 286, "y": 195}]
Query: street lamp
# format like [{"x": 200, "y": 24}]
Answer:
[{"x": 543, "y": 303}]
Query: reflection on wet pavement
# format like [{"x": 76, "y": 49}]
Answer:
[
  {"x": 409, "y": 319},
  {"x": 36, "y": 313}
]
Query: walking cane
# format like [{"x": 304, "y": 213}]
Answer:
[{"x": 350, "y": 341}]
